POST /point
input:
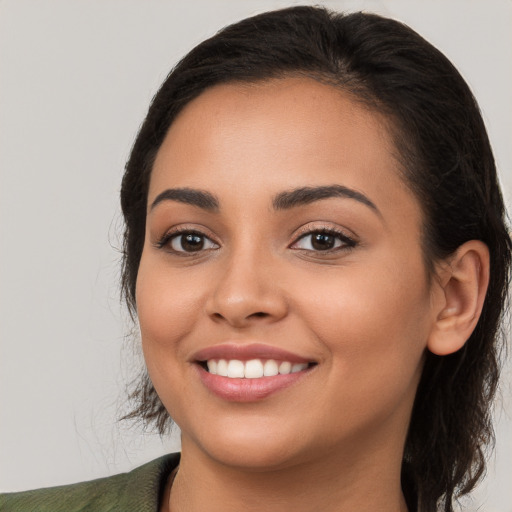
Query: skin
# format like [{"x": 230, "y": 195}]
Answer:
[{"x": 364, "y": 314}]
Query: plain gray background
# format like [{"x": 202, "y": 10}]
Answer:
[{"x": 76, "y": 78}]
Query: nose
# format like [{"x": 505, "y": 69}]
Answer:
[{"x": 246, "y": 291}]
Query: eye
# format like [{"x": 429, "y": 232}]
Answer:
[
  {"x": 323, "y": 240},
  {"x": 187, "y": 242}
]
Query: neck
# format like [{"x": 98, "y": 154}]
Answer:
[{"x": 339, "y": 482}]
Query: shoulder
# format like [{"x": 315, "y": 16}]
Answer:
[{"x": 139, "y": 489}]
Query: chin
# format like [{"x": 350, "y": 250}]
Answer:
[
  {"x": 254, "y": 459},
  {"x": 250, "y": 449}
]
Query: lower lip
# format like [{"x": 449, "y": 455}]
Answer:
[{"x": 248, "y": 390}]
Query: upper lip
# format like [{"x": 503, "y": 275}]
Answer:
[{"x": 246, "y": 352}]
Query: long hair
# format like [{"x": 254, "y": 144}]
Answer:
[{"x": 446, "y": 160}]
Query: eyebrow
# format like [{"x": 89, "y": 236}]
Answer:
[
  {"x": 194, "y": 197},
  {"x": 306, "y": 195},
  {"x": 282, "y": 201}
]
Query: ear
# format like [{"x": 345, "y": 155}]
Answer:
[{"x": 463, "y": 279}]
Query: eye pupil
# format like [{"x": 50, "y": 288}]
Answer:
[
  {"x": 322, "y": 241},
  {"x": 192, "y": 242}
]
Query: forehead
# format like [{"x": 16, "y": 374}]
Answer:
[{"x": 277, "y": 134}]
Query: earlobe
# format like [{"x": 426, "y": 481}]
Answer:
[{"x": 464, "y": 279}]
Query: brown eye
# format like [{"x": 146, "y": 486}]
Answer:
[
  {"x": 319, "y": 241},
  {"x": 191, "y": 242},
  {"x": 322, "y": 241}
]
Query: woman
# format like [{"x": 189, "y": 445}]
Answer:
[{"x": 316, "y": 253}]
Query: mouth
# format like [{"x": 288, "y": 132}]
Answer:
[
  {"x": 253, "y": 368},
  {"x": 249, "y": 373}
]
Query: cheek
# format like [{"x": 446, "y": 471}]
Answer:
[
  {"x": 374, "y": 322},
  {"x": 167, "y": 309},
  {"x": 376, "y": 343}
]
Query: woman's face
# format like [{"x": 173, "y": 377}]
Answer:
[{"x": 278, "y": 229}]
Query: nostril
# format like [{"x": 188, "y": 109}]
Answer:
[{"x": 239, "y": 320}]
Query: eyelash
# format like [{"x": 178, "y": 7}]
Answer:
[
  {"x": 347, "y": 242},
  {"x": 176, "y": 233}
]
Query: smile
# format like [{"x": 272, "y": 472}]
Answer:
[
  {"x": 249, "y": 372},
  {"x": 252, "y": 369}
]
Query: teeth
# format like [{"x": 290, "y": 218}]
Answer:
[
  {"x": 235, "y": 369},
  {"x": 253, "y": 369},
  {"x": 285, "y": 367},
  {"x": 222, "y": 367},
  {"x": 212, "y": 366},
  {"x": 270, "y": 368}
]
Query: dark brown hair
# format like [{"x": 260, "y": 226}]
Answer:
[{"x": 446, "y": 160}]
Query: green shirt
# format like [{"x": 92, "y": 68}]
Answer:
[{"x": 139, "y": 490}]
